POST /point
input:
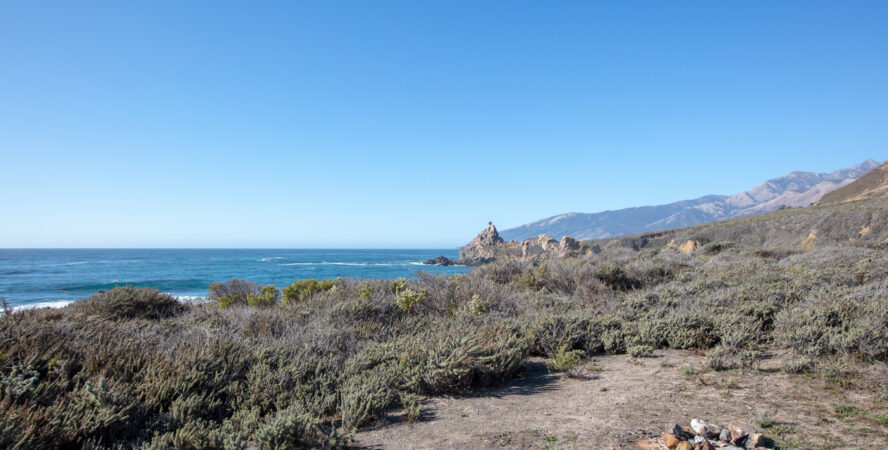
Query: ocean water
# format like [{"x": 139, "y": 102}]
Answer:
[{"x": 35, "y": 278}]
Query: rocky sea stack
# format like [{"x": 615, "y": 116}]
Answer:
[{"x": 488, "y": 246}]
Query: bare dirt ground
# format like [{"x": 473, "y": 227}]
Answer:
[{"x": 621, "y": 402}]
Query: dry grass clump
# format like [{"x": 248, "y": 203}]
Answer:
[{"x": 132, "y": 367}]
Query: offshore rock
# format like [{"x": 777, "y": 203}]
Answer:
[{"x": 439, "y": 261}]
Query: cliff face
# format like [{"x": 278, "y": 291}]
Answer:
[{"x": 489, "y": 246}]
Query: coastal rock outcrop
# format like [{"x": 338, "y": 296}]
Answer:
[
  {"x": 489, "y": 246},
  {"x": 484, "y": 245}
]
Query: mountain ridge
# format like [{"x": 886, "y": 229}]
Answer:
[{"x": 794, "y": 189}]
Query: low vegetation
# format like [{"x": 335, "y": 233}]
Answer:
[{"x": 257, "y": 367}]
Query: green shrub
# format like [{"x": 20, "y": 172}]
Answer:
[
  {"x": 268, "y": 296},
  {"x": 836, "y": 324},
  {"x": 407, "y": 299},
  {"x": 288, "y": 430},
  {"x": 300, "y": 291},
  {"x": 617, "y": 278},
  {"x": 689, "y": 330},
  {"x": 129, "y": 302},
  {"x": 412, "y": 407},
  {"x": 566, "y": 360},
  {"x": 477, "y": 306},
  {"x": 398, "y": 286},
  {"x": 640, "y": 351},
  {"x": 366, "y": 292},
  {"x": 235, "y": 292},
  {"x": 529, "y": 281},
  {"x": 365, "y": 397},
  {"x": 227, "y": 300},
  {"x": 551, "y": 332},
  {"x": 794, "y": 363},
  {"x": 718, "y": 358}
]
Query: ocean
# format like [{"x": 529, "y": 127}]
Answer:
[{"x": 56, "y": 277}]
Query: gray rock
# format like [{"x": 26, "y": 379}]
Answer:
[
  {"x": 725, "y": 435},
  {"x": 738, "y": 434},
  {"x": 674, "y": 428}
]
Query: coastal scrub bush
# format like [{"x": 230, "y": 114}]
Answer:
[
  {"x": 365, "y": 397},
  {"x": 616, "y": 278},
  {"x": 300, "y": 291},
  {"x": 412, "y": 407},
  {"x": 366, "y": 292},
  {"x": 129, "y": 302},
  {"x": 398, "y": 286},
  {"x": 268, "y": 296},
  {"x": 718, "y": 358},
  {"x": 477, "y": 306},
  {"x": 640, "y": 351},
  {"x": 407, "y": 299},
  {"x": 795, "y": 363},
  {"x": 233, "y": 292},
  {"x": 566, "y": 360}
]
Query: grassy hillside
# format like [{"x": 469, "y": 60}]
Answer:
[{"x": 872, "y": 185}]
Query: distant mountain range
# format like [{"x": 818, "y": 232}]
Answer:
[{"x": 794, "y": 190}]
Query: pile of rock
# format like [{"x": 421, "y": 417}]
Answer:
[{"x": 706, "y": 436}]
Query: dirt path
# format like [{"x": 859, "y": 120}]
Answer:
[{"x": 621, "y": 402}]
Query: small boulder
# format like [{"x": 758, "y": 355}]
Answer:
[
  {"x": 671, "y": 440},
  {"x": 704, "y": 429},
  {"x": 706, "y": 445},
  {"x": 738, "y": 434},
  {"x": 698, "y": 426},
  {"x": 684, "y": 445},
  {"x": 688, "y": 431},
  {"x": 725, "y": 435},
  {"x": 678, "y": 430},
  {"x": 757, "y": 440}
]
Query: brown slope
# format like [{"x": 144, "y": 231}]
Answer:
[{"x": 872, "y": 185}]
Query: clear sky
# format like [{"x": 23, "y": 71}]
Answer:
[{"x": 411, "y": 124}]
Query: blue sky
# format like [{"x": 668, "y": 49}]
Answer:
[{"x": 411, "y": 124}]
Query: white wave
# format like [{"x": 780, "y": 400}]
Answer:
[
  {"x": 72, "y": 263},
  {"x": 270, "y": 258},
  {"x": 53, "y": 304},
  {"x": 341, "y": 264},
  {"x": 415, "y": 263},
  {"x": 190, "y": 298}
]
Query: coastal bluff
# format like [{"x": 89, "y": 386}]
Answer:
[{"x": 488, "y": 246}]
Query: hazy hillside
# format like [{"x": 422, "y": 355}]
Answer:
[
  {"x": 794, "y": 189},
  {"x": 787, "y": 229},
  {"x": 872, "y": 185}
]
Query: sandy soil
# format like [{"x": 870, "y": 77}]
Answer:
[{"x": 621, "y": 402}]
